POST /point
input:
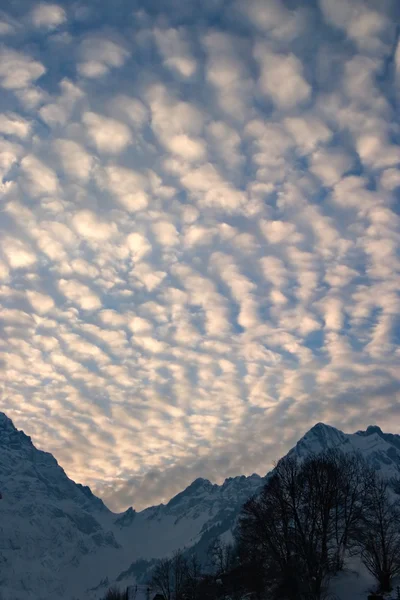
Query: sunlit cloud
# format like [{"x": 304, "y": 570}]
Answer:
[{"x": 199, "y": 232}]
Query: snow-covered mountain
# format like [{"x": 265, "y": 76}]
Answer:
[
  {"x": 58, "y": 540},
  {"x": 380, "y": 450},
  {"x": 49, "y": 525}
]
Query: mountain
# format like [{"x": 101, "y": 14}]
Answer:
[
  {"x": 58, "y": 540},
  {"x": 380, "y": 450},
  {"x": 49, "y": 525}
]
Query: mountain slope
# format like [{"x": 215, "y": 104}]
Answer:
[
  {"x": 58, "y": 540},
  {"x": 48, "y": 524}
]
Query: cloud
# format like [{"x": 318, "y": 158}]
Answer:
[
  {"x": 272, "y": 18},
  {"x": 39, "y": 178},
  {"x": 18, "y": 254},
  {"x": 128, "y": 187},
  {"x": 308, "y": 133},
  {"x": 330, "y": 165},
  {"x": 99, "y": 55},
  {"x": 228, "y": 73},
  {"x": 12, "y": 124},
  {"x": 199, "y": 227},
  {"x": 9, "y": 155},
  {"x": 109, "y": 136},
  {"x": 175, "y": 50},
  {"x": 79, "y": 294},
  {"x": 88, "y": 226},
  {"x": 57, "y": 112},
  {"x": 361, "y": 24},
  {"x": 41, "y": 303},
  {"x": 48, "y": 16},
  {"x": 282, "y": 79},
  {"x": 76, "y": 162},
  {"x": 165, "y": 233},
  {"x": 18, "y": 70},
  {"x": 210, "y": 189},
  {"x": 138, "y": 245}
]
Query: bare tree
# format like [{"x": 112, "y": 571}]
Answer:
[
  {"x": 352, "y": 496},
  {"x": 193, "y": 578},
  {"x": 220, "y": 556},
  {"x": 170, "y": 576},
  {"x": 304, "y": 521},
  {"x": 162, "y": 578},
  {"x": 115, "y": 594},
  {"x": 380, "y": 534},
  {"x": 267, "y": 529}
]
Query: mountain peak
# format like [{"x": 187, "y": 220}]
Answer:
[
  {"x": 319, "y": 437},
  {"x": 322, "y": 427},
  {"x": 373, "y": 429},
  {"x": 198, "y": 483},
  {"x": 5, "y": 422}
]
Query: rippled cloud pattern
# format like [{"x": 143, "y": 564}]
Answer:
[{"x": 199, "y": 232}]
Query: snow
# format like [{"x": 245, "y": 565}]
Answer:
[{"x": 58, "y": 540}]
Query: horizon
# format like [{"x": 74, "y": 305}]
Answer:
[
  {"x": 220, "y": 482},
  {"x": 199, "y": 232}
]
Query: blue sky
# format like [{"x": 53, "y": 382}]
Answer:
[{"x": 199, "y": 245}]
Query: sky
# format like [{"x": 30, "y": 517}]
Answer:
[{"x": 199, "y": 232}]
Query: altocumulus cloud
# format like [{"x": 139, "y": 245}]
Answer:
[{"x": 199, "y": 252}]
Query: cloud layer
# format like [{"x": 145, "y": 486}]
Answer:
[{"x": 199, "y": 246}]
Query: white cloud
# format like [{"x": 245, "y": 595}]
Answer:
[
  {"x": 308, "y": 132},
  {"x": 13, "y": 124},
  {"x": 139, "y": 325},
  {"x": 4, "y": 271},
  {"x": 177, "y": 125},
  {"x": 333, "y": 315},
  {"x": 390, "y": 179},
  {"x": 130, "y": 108},
  {"x": 165, "y": 233},
  {"x": 41, "y": 303},
  {"x": 148, "y": 276},
  {"x": 375, "y": 151},
  {"x": 18, "y": 254},
  {"x": 18, "y": 70},
  {"x": 197, "y": 235},
  {"x": 227, "y": 142},
  {"x": 79, "y": 293},
  {"x": 186, "y": 147},
  {"x": 76, "y": 162},
  {"x": 280, "y": 231},
  {"x": 88, "y": 226},
  {"x": 109, "y": 136},
  {"x": 282, "y": 78},
  {"x": 363, "y": 25},
  {"x": 48, "y": 16},
  {"x": 58, "y": 112},
  {"x": 175, "y": 50},
  {"x": 112, "y": 318},
  {"x": 273, "y": 18},
  {"x": 228, "y": 74},
  {"x": 128, "y": 187},
  {"x": 212, "y": 190},
  {"x": 39, "y": 178},
  {"x": 9, "y": 155},
  {"x": 99, "y": 55},
  {"x": 138, "y": 245},
  {"x": 330, "y": 165}
]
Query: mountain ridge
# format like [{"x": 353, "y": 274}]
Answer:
[{"x": 64, "y": 541}]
